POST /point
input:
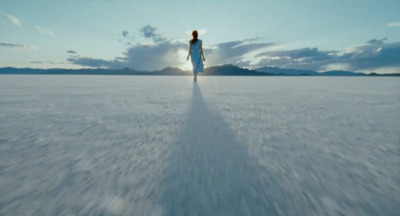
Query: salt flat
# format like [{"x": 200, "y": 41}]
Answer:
[{"x": 138, "y": 145}]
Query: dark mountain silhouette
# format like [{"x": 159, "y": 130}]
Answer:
[
  {"x": 171, "y": 71},
  {"x": 223, "y": 70},
  {"x": 341, "y": 73},
  {"x": 296, "y": 72},
  {"x": 231, "y": 70},
  {"x": 287, "y": 72}
]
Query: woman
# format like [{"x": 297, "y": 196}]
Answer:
[{"x": 196, "y": 54}]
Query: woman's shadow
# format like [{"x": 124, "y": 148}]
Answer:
[{"x": 209, "y": 171}]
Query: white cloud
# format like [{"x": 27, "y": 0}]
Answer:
[
  {"x": 394, "y": 24},
  {"x": 14, "y": 20},
  {"x": 45, "y": 31}
]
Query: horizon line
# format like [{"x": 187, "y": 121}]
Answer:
[{"x": 178, "y": 68}]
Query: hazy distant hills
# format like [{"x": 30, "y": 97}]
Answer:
[
  {"x": 285, "y": 72},
  {"x": 295, "y": 72},
  {"x": 223, "y": 70},
  {"x": 231, "y": 70}
]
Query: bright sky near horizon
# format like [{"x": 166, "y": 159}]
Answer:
[{"x": 357, "y": 35}]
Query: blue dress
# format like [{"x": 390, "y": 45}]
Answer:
[{"x": 195, "y": 55}]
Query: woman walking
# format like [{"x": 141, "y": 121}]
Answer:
[{"x": 196, "y": 54}]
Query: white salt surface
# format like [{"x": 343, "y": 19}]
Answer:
[{"x": 132, "y": 145}]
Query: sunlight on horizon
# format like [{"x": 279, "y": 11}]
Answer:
[
  {"x": 187, "y": 66},
  {"x": 183, "y": 64}
]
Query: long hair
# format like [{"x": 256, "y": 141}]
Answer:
[{"x": 195, "y": 35}]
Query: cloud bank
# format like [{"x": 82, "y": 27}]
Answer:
[
  {"x": 164, "y": 52},
  {"x": 377, "y": 42},
  {"x": 251, "y": 53},
  {"x": 372, "y": 55},
  {"x": 233, "y": 52}
]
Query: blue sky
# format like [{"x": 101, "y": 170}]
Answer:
[{"x": 357, "y": 35}]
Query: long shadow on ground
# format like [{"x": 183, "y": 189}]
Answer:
[{"x": 210, "y": 172}]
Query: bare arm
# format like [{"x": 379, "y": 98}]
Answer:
[
  {"x": 201, "y": 50},
  {"x": 190, "y": 51}
]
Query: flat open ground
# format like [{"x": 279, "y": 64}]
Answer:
[{"x": 137, "y": 145}]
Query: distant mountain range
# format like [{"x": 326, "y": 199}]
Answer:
[
  {"x": 223, "y": 70},
  {"x": 296, "y": 72}
]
